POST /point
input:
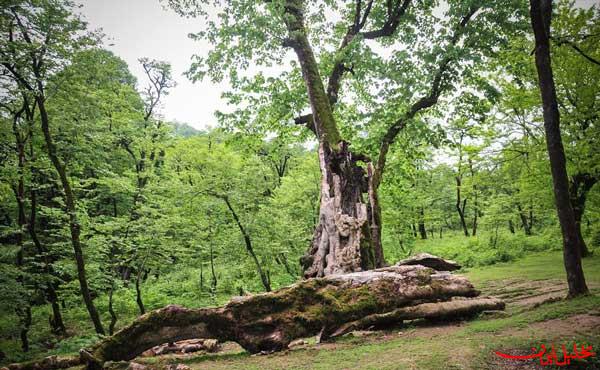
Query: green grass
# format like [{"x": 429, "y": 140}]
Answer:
[
  {"x": 468, "y": 346},
  {"x": 481, "y": 250}
]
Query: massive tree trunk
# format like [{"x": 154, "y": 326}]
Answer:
[
  {"x": 541, "y": 13},
  {"x": 343, "y": 238},
  {"x": 328, "y": 306},
  {"x": 579, "y": 187},
  {"x": 342, "y": 241},
  {"x": 341, "y": 232}
]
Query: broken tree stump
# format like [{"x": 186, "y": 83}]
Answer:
[{"x": 327, "y": 306}]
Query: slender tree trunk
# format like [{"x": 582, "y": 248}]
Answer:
[
  {"x": 74, "y": 225},
  {"x": 511, "y": 226},
  {"x": 111, "y": 311},
  {"x": 213, "y": 282},
  {"x": 579, "y": 187},
  {"x": 524, "y": 221},
  {"x": 375, "y": 220},
  {"x": 25, "y": 316},
  {"x": 57, "y": 324},
  {"x": 541, "y": 13},
  {"x": 461, "y": 204},
  {"x": 422, "y": 229},
  {"x": 475, "y": 203},
  {"x": 138, "y": 293},
  {"x": 201, "y": 277},
  {"x": 248, "y": 242},
  {"x": 283, "y": 259}
]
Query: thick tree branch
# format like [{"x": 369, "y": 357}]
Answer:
[
  {"x": 325, "y": 124},
  {"x": 359, "y": 20},
  {"x": 395, "y": 13},
  {"x": 424, "y": 102}
]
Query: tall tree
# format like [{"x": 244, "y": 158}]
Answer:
[
  {"x": 541, "y": 16},
  {"x": 40, "y": 39},
  {"x": 348, "y": 234}
]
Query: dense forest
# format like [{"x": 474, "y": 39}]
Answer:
[{"x": 356, "y": 134}]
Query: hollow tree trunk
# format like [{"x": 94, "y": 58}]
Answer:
[
  {"x": 541, "y": 14},
  {"x": 342, "y": 240}
]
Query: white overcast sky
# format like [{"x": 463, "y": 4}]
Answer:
[{"x": 143, "y": 28}]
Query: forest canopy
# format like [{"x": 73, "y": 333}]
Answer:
[{"x": 356, "y": 134}]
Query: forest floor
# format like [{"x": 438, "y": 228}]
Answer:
[{"x": 536, "y": 313}]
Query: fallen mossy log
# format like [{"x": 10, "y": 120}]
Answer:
[
  {"x": 439, "y": 310},
  {"x": 327, "y": 306}
]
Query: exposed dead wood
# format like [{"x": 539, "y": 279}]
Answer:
[
  {"x": 453, "y": 308},
  {"x": 429, "y": 260},
  {"x": 328, "y": 306},
  {"x": 271, "y": 321}
]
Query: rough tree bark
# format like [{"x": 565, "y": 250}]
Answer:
[
  {"x": 328, "y": 306},
  {"x": 349, "y": 230},
  {"x": 342, "y": 241},
  {"x": 541, "y": 14}
]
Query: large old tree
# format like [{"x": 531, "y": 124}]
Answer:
[{"x": 373, "y": 56}]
